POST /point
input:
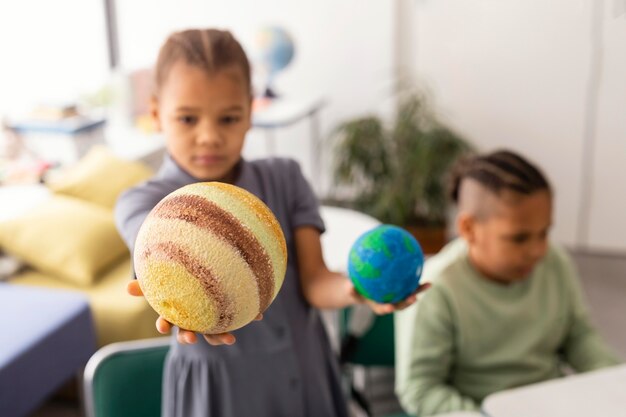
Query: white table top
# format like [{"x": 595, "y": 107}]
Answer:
[
  {"x": 282, "y": 112},
  {"x": 132, "y": 144},
  {"x": 600, "y": 393},
  {"x": 343, "y": 227}
]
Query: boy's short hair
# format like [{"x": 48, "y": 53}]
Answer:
[{"x": 497, "y": 172}]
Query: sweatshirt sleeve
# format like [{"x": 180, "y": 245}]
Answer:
[
  {"x": 584, "y": 349},
  {"x": 425, "y": 342}
]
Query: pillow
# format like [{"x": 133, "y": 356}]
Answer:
[
  {"x": 100, "y": 177},
  {"x": 9, "y": 266},
  {"x": 65, "y": 237}
]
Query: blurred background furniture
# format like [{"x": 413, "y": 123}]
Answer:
[
  {"x": 117, "y": 316},
  {"x": 61, "y": 141},
  {"x": 272, "y": 114},
  {"x": 65, "y": 235},
  {"x": 367, "y": 344},
  {"x": 124, "y": 379},
  {"x": 343, "y": 227},
  {"x": 41, "y": 327}
]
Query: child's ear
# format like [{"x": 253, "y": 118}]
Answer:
[
  {"x": 154, "y": 113},
  {"x": 466, "y": 224}
]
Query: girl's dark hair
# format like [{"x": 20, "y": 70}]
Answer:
[
  {"x": 208, "y": 49},
  {"x": 499, "y": 171}
]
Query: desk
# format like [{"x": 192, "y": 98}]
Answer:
[
  {"x": 47, "y": 336},
  {"x": 600, "y": 393},
  {"x": 132, "y": 144},
  {"x": 283, "y": 112},
  {"x": 62, "y": 141}
]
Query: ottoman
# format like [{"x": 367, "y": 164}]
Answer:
[{"x": 46, "y": 337}]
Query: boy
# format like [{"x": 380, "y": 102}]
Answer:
[{"x": 505, "y": 308}]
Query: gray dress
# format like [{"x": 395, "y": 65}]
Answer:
[{"x": 281, "y": 366}]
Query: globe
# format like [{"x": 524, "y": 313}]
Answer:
[
  {"x": 385, "y": 264},
  {"x": 274, "y": 50}
]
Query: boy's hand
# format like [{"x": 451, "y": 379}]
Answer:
[
  {"x": 381, "y": 309},
  {"x": 185, "y": 337}
]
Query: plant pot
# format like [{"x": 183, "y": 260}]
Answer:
[{"x": 431, "y": 239}]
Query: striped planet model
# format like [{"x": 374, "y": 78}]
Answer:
[{"x": 210, "y": 257}]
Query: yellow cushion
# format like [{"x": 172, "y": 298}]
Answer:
[
  {"x": 66, "y": 237},
  {"x": 117, "y": 315},
  {"x": 100, "y": 177}
]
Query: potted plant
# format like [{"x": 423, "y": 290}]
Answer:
[{"x": 398, "y": 172}]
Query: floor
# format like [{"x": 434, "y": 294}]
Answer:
[{"x": 604, "y": 282}]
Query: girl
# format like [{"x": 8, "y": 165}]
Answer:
[
  {"x": 282, "y": 365},
  {"x": 505, "y": 308}
]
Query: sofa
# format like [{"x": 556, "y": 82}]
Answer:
[{"x": 67, "y": 240}]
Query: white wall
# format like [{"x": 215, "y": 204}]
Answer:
[
  {"x": 343, "y": 51},
  {"x": 516, "y": 73},
  {"x": 607, "y": 220}
]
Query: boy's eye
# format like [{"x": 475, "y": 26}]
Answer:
[
  {"x": 187, "y": 120},
  {"x": 519, "y": 238}
]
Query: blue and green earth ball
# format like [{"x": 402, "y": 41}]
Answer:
[{"x": 385, "y": 264}]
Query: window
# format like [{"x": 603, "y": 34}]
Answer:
[{"x": 52, "y": 51}]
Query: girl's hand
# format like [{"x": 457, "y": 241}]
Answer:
[
  {"x": 382, "y": 309},
  {"x": 185, "y": 337}
]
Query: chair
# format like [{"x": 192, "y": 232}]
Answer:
[
  {"x": 124, "y": 379},
  {"x": 366, "y": 340}
]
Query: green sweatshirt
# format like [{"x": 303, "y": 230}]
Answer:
[{"x": 468, "y": 337}]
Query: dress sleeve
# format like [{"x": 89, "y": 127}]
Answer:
[
  {"x": 130, "y": 211},
  {"x": 303, "y": 204},
  {"x": 584, "y": 349},
  {"x": 425, "y": 347}
]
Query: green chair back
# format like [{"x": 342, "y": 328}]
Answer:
[
  {"x": 124, "y": 379},
  {"x": 376, "y": 346}
]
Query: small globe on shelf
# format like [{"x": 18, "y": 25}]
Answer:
[
  {"x": 385, "y": 264},
  {"x": 273, "y": 51}
]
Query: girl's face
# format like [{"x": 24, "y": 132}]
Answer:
[
  {"x": 508, "y": 244},
  {"x": 204, "y": 118}
]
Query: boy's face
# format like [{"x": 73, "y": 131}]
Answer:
[
  {"x": 507, "y": 245},
  {"x": 204, "y": 118}
]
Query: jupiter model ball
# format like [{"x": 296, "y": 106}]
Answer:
[
  {"x": 385, "y": 264},
  {"x": 210, "y": 257}
]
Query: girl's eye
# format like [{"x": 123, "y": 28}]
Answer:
[
  {"x": 187, "y": 120},
  {"x": 230, "y": 119}
]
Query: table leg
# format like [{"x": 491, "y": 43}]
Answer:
[
  {"x": 270, "y": 142},
  {"x": 315, "y": 150}
]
